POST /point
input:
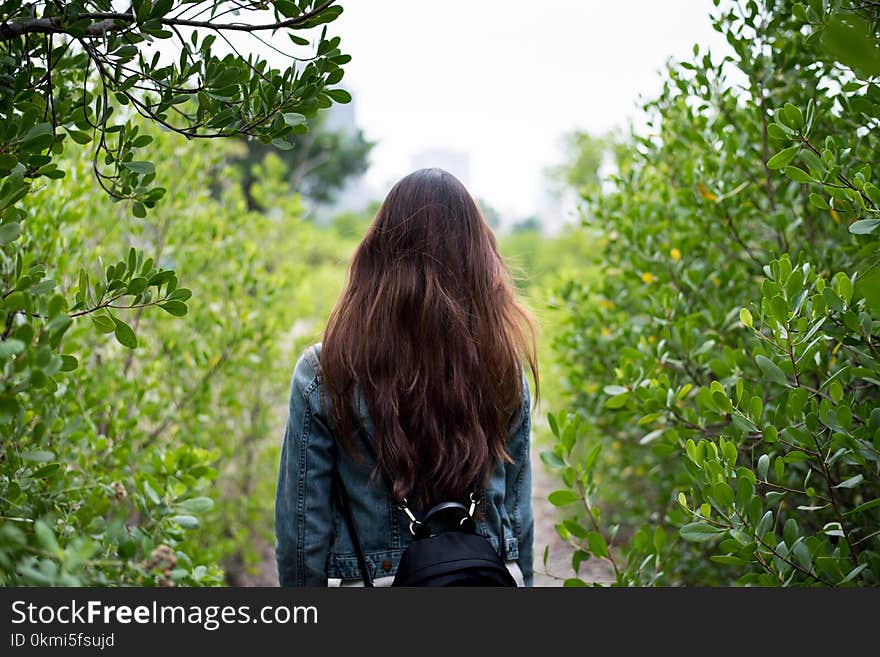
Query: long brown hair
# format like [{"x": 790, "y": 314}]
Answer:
[{"x": 430, "y": 332}]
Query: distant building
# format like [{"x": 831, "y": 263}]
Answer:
[
  {"x": 457, "y": 163},
  {"x": 552, "y": 212}
]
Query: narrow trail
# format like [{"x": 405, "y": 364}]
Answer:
[{"x": 546, "y": 517}]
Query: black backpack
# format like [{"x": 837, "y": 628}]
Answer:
[{"x": 446, "y": 549}]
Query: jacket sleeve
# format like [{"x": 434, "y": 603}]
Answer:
[
  {"x": 518, "y": 478},
  {"x": 303, "y": 513}
]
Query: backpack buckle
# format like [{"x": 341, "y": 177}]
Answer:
[
  {"x": 474, "y": 502},
  {"x": 413, "y": 521}
]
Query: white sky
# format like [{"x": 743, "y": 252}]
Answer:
[{"x": 502, "y": 81}]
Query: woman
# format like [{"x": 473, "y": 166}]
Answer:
[{"x": 419, "y": 380}]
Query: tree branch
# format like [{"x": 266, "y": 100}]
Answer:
[{"x": 109, "y": 21}]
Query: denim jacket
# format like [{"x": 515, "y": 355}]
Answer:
[{"x": 312, "y": 541}]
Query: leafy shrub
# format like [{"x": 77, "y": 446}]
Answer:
[
  {"x": 121, "y": 431},
  {"x": 724, "y": 371}
]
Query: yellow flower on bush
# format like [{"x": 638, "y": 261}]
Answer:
[
  {"x": 705, "y": 193},
  {"x": 606, "y": 331},
  {"x": 675, "y": 254},
  {"x": 648, "y": 278}
]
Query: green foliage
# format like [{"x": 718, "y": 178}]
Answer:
[
  {"x": 126, "y": 429},
  {"x": 122, "y": 452},
  {"x": 320, "y": 163},
  {"x": 723, "y": 372},
  {"x": 78, "y": 70},
  {"x": 584, "y": 154}
]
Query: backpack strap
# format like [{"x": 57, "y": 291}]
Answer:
[{"x": 344, "y": 503}]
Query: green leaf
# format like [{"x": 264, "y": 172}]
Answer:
[
  {"x": 137, "y": 285},
  {"x": 756, "y": 408},
  {"x": 763, "y": 466},
  {"x": 573, "y": 582},
  {"x": 723, "y": 494},
  {"x": 818, "y": 201},
  {"x": 853, "y": 574},
  {"x": 745, "y": 316},
  {"x": 68, "y": 363},
  {"x": 11, "y": 347},
  {"x": 852, "y": 482},
  {"x": 79, "y": 136},
  {"x": 864, "y": 226},
  {"x": 590, "y": 461},
  {"x": 38, "y": 137},
  {"x": 813, "y": 162},
  {"x": 783, "y": 157},
  {"x": 554, "y": 427},
  {"x": 196, "y": 504},
  {"x": 765, "y": 524},
  {"x": 124, "y": 334},
  {"x": 798, "y": 175},
  {"x": 771, "y": 370},
  {"x": 140, "y": 167},
  {"x": 294, "y": 119},
  {"x": 50, "y": 471},
  {"x": 794, "y": 115},
  {"x": 790, "y": 531},
  {"x": 618, "y": 401},
  {"x": 843, "y": 286},
  {"x": 287, "y": 8},
  {"x": 802, "y": 555},
  {"x": 563, "y": 497},
  {"x": 552, "y": 460},
  {"x": 850, "y": 39},
  {"x": 103, "y": 323},
  {"x": 867, "y": 506},
  {"x": 180, "y": 294},
  {"x": 699, "y": 532},
  {"x": 9, "y": 232},
  {"x": 37, "y": 456},
  {"x": 835, "y": 391},
  {"x": 777, "y": 132},
  {"x": 186, "y": 521},
  {"x": 728, "y": 560},
  {"x": 597, "y": 544},
  {"x": 575, "y": 529},
  {"x": 46, "y": 536},
  {"x": 339, "y": 95},
  {"x": 150, "y": 492},
  {"x": 176, "y": 308},
  {"x": 614, "y": 390}
]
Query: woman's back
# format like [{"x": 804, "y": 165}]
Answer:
[{"x": 313, "y": 546}]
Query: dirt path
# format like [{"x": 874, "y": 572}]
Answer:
[{"x": 546, "y": 516}]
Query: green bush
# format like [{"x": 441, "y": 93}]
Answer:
[
  {"x": 172, "y": 442},
  {"x": 723, "y": 372},
  {"x": 123, "y": 429}
]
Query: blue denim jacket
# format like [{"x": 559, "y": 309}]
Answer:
[{"x": 312, "y": 541}]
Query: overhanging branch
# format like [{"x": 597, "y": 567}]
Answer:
[{"x": 109, "y": 21}]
